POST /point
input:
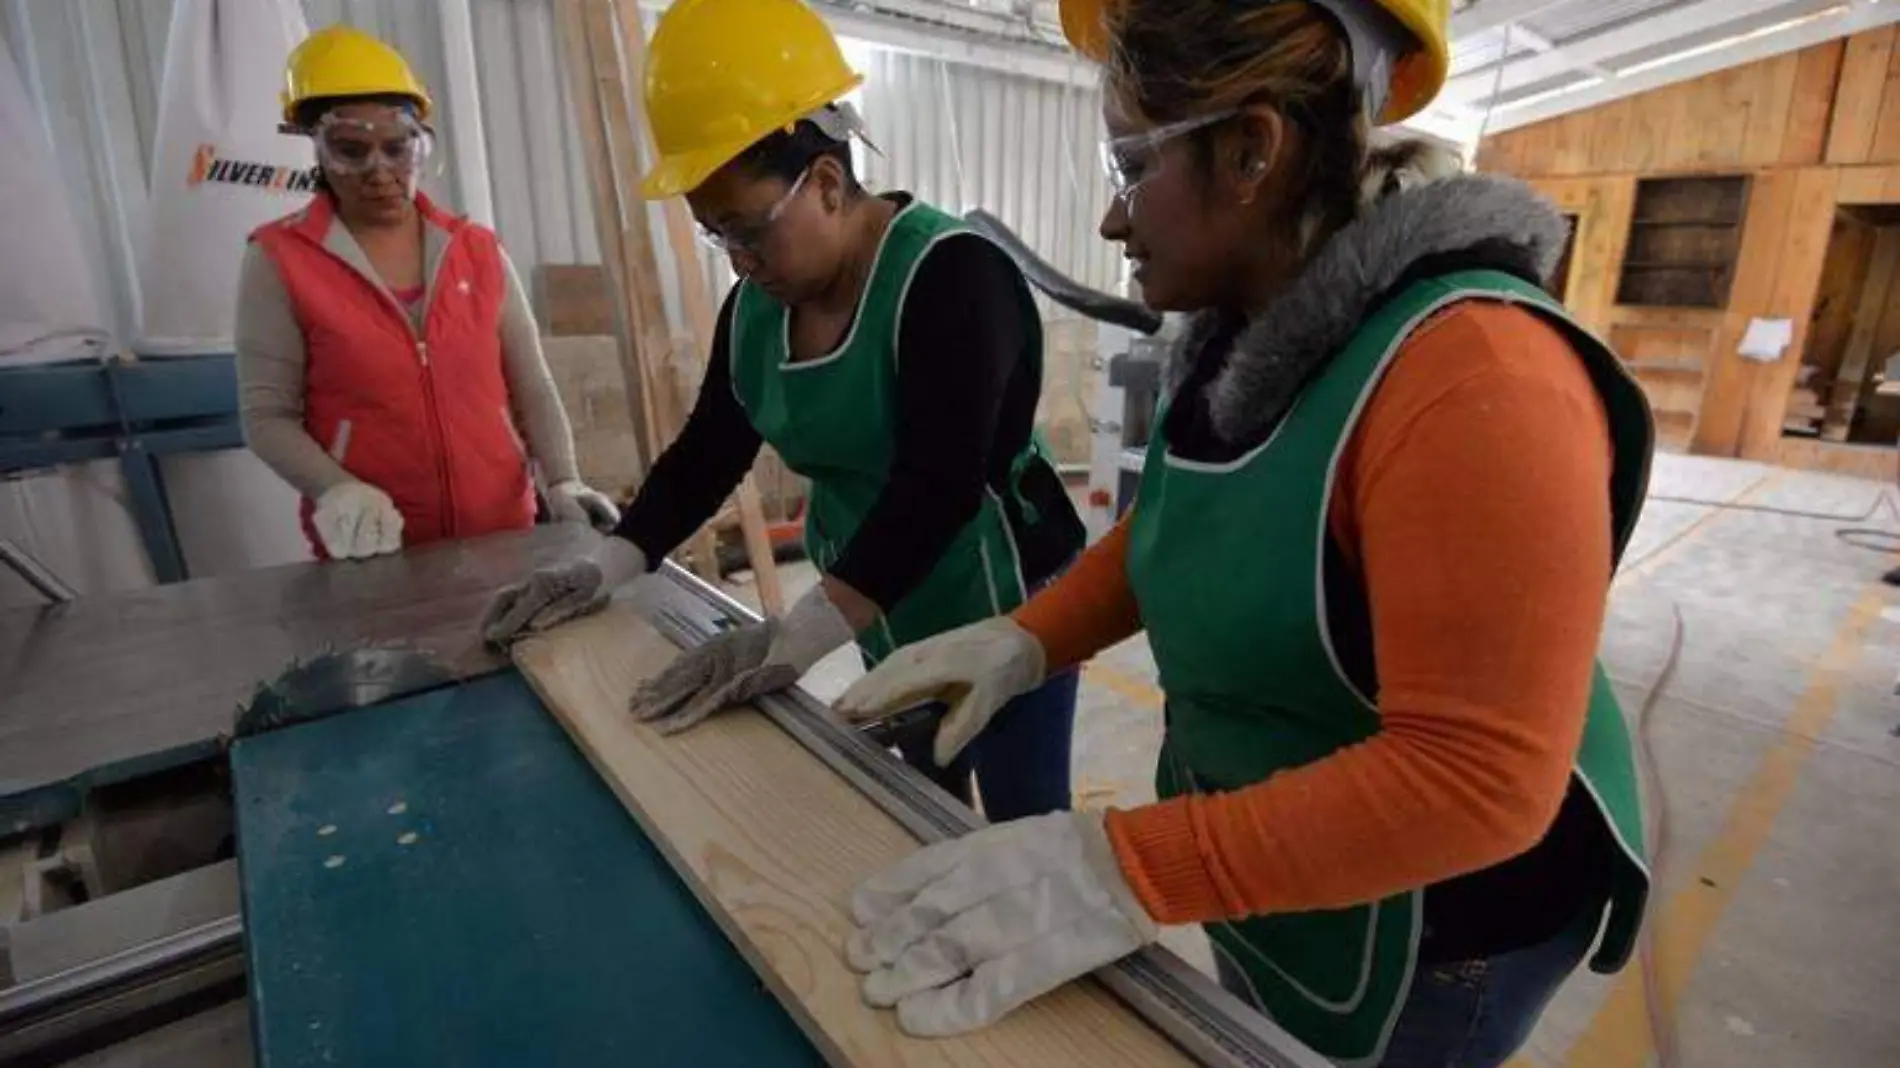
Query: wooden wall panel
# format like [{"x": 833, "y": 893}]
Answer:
[
  {"x": 1774, "y": 112},
  {"x": 1812, "y": 108},
  {"x": 1602, "y": 207},
  {"x": 1726, "y": 396},
  {"x": 1857, "y": 98},
  {"x": 1810, "y": 227}
]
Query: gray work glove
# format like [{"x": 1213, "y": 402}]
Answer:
[
  {"x": 555, "y": 595},
  {"x": 742, "y": 664}
]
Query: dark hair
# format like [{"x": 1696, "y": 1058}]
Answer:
[
  {"x": 786, "y": 155},
  {"x": 1175, "y": 59},
  {"x": 308, "y": 113}
]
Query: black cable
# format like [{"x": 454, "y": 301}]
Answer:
[{"x": 1858, "y": 537}]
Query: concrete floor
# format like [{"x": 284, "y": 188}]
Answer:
[{"x": 1776, "y": 932}]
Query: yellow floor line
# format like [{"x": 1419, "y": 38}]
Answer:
[
  {"x": 1131, "y": 687},
  {"x": 1646, "y": 565},
  {"x": 1618, "y": 1035}
]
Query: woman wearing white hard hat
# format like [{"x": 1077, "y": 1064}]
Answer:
[{"x": 389, "y": 364}]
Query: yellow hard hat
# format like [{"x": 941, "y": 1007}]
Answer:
[
  {"x": 1417, "y": 76},
  {"x": 721, "y": 74},
  {"x": 345, "y": 61}
]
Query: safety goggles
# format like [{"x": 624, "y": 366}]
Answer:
[
  {"x": 1135, "y": 158},
  {"x": 358, "y": 146},
  {"x": 750, "y": 237}
]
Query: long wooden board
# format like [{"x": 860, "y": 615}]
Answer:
[{"x": 771, "y": 842}]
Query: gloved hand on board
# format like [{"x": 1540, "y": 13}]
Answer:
[
  {"x": 356, "y": 520},
  {"x": 574, "y": 501},
  {"x": 554, "y": 595},
  {"x": 746, "y": 662},
  {"x": 959, "y": 933},
  {"x": 975, "y": 670}
]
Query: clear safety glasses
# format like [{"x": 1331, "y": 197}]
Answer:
[
  {"x": 750, "y": 237},
  {"x": 1135, "y": 158},
  {"x": 358, "y": 146}
]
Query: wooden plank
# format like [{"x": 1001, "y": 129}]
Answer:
[
  {"x": 1886, "y": 137},
  {"x": 696, "y": 301},
  {"x": 1725, "y": 398},
  {"x": 1770, "y": 101},
  {"x": 573, "y": 300},
  {"x": 1843, "y": 275},
  {"x": 1612, "y": 136},
  {"x": 1603, "y": 235},
  {"x": 1797, "y": 280},
  {"x": 771, "y": 842},
  {"x": 1571, "y": 136},
  {"x": 1844, "y": 394},
  {"x": 1719, "y": 109},
  {"x": 1865, "y": 185},
  {"x": 583, "y": 91},
  {"x": 1812, "y": 107},
  {"x": 1857, "y": 100},
  {"x": 607, "y": 448}
]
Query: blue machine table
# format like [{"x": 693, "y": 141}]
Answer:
[
  {"x": 444, "y": 879},
  {"x": 429, "y": 872}
]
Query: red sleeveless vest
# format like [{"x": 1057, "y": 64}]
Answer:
[{"x": 423, "y": 418}]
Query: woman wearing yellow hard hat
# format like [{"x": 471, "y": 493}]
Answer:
[
  {"x": 887, "y": 353},
  {"x": 389, "y": 365},
  {"x": 1371, "y": 551}
]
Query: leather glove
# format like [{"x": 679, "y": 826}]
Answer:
[
  {"x": 975, "y": 670},
  {"x": 741, "y": 664},
  {"x": 574, "y": 501},
  {"x": 554, "y": 595},
  {"x": 959, "y": 933},
  {"x": 356, "y": 520}
]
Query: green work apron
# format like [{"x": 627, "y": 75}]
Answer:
[
  {"x": 1227, "y": 563},
  {"x": 834, "y": 420}
]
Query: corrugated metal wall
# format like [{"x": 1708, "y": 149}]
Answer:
[
  {"x": 1024, "y": 150},
  {"x": 955, "y": 135}
]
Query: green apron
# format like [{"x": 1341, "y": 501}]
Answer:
[
  {"x": 833, "y": 420},
  {"x": 1232, "y": 597}
]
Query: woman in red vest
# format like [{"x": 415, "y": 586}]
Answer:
[{"x": 389, "y": 365}]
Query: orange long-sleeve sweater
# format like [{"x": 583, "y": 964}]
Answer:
[{"x": 1473, "y": 497}]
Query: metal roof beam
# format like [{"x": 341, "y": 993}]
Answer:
[
  {"x": 1865, "y": 15},
  {"x": 1603, "y": 48},
  {"x": 1491, "y": 14}
]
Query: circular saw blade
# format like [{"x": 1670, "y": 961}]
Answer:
[{"x": 338, "y": 680}]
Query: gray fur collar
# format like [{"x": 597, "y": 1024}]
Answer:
[{"x": 1275, "y": 353}]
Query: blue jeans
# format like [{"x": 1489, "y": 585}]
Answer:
[
  {"x": 1477, "y": 1013},
  {"x": 1021, "y": 760}
]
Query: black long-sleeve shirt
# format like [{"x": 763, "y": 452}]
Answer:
[{"x": 967, "y": 389}]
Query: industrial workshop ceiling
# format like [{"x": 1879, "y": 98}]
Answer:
[{"x": 1514, "y": 62}]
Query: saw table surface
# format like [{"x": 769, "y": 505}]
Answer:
[
  {"x": 444, "y": 879},
  {"x": 108, "y": 687}
]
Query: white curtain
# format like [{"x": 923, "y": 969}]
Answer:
[
  {"x": 72, "y": 519},
  {"x": 220, "y": 168}
]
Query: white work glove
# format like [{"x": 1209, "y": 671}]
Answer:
[
  {"x": 738, "y": 665},
  {"x": 357, "y": 520},
  {"x": 975, "y": 670},
  {"x": 574, "y": 501},
  {"x": 959, "y": 933},
  {"x": 554, "y": 595}
]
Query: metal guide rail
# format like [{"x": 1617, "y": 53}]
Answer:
[{"x": 1206, "y": 1021}]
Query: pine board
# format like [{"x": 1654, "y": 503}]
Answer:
[{"x": 771, "y": 842}]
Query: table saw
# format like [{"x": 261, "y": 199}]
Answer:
[{"x": 427, "y": 871}]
